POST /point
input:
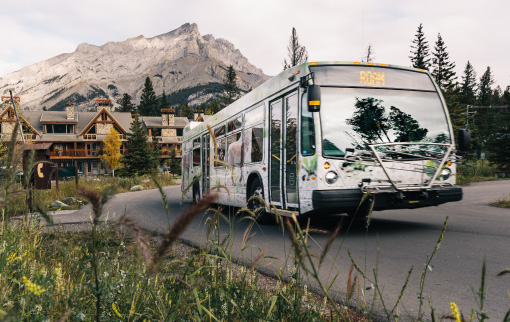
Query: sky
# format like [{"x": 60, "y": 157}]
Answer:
[{"x": 330, "y": 30}]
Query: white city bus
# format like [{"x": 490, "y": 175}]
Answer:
[{"x": 315, "y": 138}]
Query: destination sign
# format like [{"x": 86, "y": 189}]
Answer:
[{"x": 371, "y": 76}]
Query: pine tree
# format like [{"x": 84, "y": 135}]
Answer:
[
  {"x": 485, "y": 88},
  {"x": 369, "y": 54},
  {"x": 163, "y": 101},
  {"x": 231, "y": 90},
  {"x": 497, "y": 96},
  {"x": 140, "y": 157},
  {"x": 506, "y": 97},
  {"x": 297, "y": 52},
  {"x": 420, "y": 55},
  {"x": 111, "y": 150},
  {"x": 148, "y": 101},
  {"x": 155, "y": 147},
  {"x": 175, "y": 167},
  {"x": 125, "y": 104},
  {"x": 468, "y": 85},
  {"x": 443, "y": 69}
]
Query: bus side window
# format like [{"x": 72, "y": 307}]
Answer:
[
  {"x": 196, "y": 152},
  {"x": 307, "y": 129},
  {"x": 221, "y": 152},
  {"x": 235, "y": 149},
  {"x": 253, "y": 144}
]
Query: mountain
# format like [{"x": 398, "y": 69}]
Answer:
[{"x": 180, "y": 61}]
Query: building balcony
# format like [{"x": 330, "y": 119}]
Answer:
[{"x": 79, "y": 153}]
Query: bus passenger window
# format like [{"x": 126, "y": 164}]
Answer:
[
  {"x": 235, "y": 148},
  {"x": 221, "y": 156},
  {"x": 235, "y": 124},
  {"x": 307, "y": 130},
  {"x": 253, "y": 144},
  {"x": 254, "y": 116},
  {"x": 196, "y": 152}
]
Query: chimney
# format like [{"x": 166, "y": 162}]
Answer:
[
  {"x": 103, "y": 103},
  {"x": 167, "y": 116},
  {"x": 195, "y": 115},
  {"x": 6, "y": 102},
  {"x": 70, "y": 110},
  {"x": 202, "y": 114}
]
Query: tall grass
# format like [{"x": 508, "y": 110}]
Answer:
[
  {"x": 475, "y": 171},
  {"x": 118, "y": 272}
]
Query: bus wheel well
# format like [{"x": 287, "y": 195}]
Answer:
[{"x": 251, "y": 178}]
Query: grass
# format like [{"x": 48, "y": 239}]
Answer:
[
  {"x": 116, "y": 271},
  {"x": 68, "y": 189},
  {"x": 502, "y": 203},
  {"x": 46, "y": 276},
  {"x": 476, "y": 171}
]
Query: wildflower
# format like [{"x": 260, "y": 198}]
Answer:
[
  {"x": 455, "y": 311},
  {"x": 32, "y": 287},
  {"x": 81, "y": 316},
  {"x": 59, "y": 283},
  {"x": 116, "y": 310}
]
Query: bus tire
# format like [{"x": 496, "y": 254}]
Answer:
[
  {"x": 196, "y": 193},
  {"x": 256, "y": 193}
]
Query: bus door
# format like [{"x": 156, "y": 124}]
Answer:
[
  {"x": 283, "y": 152},
  {"x": 206, "y": 163}
]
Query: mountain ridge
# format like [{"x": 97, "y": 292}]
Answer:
[{"x": 175, "y": 60}]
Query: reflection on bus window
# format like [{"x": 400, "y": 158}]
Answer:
[
  {"x": 307, "y": 130},
  {"x": 357, "y": 118},
  {"x": 235, "y": 124},
  {"x": 219, "y": 131},
  {"x": 196, "y": 152},
  {"x": 221, "y": 152},
  {"x": 254, "y": 116},
  {"x": 253, "y": 144},
  {"x": 235, "y": 148}
]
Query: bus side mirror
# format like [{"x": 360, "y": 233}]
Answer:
[
  {"x": 464, "y": 140},
  {"x": 314, "y": 98}
]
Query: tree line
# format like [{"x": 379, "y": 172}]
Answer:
[
  {"x": 472, "y": 102},
  {"x": 151, "y": 104}
]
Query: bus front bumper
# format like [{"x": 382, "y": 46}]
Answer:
[{"x": 345, "y": 200}]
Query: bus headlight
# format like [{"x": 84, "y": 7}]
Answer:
[
  {"x": 446, "y": 173},
  {"x": 331, "y": 177}
]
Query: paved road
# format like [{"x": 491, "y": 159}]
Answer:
[{"x": 399, "y": 239}]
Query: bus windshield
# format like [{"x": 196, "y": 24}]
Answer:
[{"x": 358, "y": 117}]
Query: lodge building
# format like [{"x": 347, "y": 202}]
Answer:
[{"x": 77, "y": 137}]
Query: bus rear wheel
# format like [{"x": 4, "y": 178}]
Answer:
[
  {"x": 196, "y": 193},
  {"x": 256, "y": 203}
]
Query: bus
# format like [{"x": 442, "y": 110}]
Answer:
[{"x": 321, "y": 137}]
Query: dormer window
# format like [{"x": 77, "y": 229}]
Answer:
[{"x": 60, "y": 128}]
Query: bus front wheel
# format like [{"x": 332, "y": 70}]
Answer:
[{"x": 256, "y": 203}]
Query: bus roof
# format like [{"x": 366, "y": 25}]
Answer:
[{"x": 274, "y": 85}]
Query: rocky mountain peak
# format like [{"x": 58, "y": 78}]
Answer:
[{"x": 177, "y": 60}]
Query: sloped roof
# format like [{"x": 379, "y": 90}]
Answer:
[
  {"x": 34, "y": 118},
  {"x": 155, "y": 121},
  {"x": 57, "y": 117},
  {"x": 123, "y": 118}
]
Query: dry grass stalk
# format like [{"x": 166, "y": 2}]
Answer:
[
  {"x": 295, "y": 242},
  {"x": 95, "y": 200},
  {"x": 140, "y": 239},
  {"x": 256, "y": 260},
  {"x": 180, "y": 226},
  {"x": 66, "y": 316},
  {"x": 330, "y": 241}
]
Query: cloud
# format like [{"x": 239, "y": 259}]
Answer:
[{"x": 331, "y": 30}]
